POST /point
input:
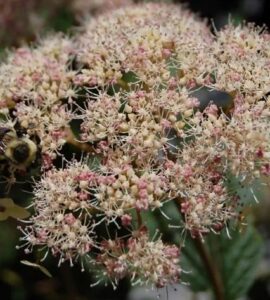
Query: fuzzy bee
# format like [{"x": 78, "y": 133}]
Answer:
[{"x": 20, "y": 152}]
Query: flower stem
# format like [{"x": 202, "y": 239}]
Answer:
[
  {"x": 139, "y": 219},
  {"x": 212, "y": 269}
]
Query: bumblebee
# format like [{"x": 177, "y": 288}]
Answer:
[{"x": 19, "y": 151}]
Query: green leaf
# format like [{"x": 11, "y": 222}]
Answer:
[
  {"x": 130, "y": 77},
  {"x": 10, "y": 277},
  {"x": 248, "y": 193},
  {"x": 8, "y": 240},
  {"x": 62, "y": 22},
  {"x": 193, "y": 265},
  {"x": 236, "y": 259},
  {"x": 93, "y": 162},
  {"x": 239, "y": 258},
  {"x": 9, "y": 209}
]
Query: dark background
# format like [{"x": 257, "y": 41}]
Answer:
[{"x": 257, "y": 11}]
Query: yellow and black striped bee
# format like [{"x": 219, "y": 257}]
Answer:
[{"x": 20, "y": 152}]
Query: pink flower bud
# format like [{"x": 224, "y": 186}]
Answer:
[{"x": 126, "y": 220}]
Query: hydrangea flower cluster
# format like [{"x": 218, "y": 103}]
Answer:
[
  {"x": 34, "y": 82},
  {"x": 63, "y": 210},
  {"x": 145, "y": 43},
  {"x": 143, "y": 260},
  {"x": 122, "y": 90}
]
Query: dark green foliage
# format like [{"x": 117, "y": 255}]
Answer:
[{"x": 236, "y": 259}]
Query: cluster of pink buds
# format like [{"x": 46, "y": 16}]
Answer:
[{"x": 143, "y": 260}]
